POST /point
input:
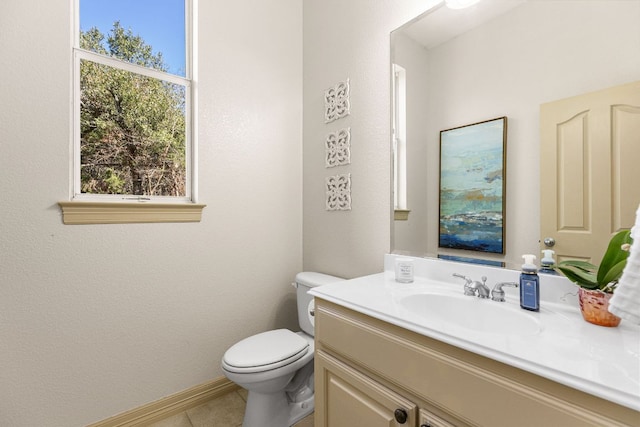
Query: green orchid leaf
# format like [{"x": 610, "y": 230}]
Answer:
[
  {"x": 579, "y": 276},
  {"x": 582, "y": 265},
  {"x": 591, "y": 286},
  {"x": 614, "y": 255},
  {"x": 614, "y": 273},
  {"x": 590, "y": 276}
]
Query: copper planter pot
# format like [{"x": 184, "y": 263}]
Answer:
[{"x": 594, "y": 306}]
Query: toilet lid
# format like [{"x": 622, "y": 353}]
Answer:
[{"x": 265, "y": 351}]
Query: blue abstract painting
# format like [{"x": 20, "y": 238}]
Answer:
[{"x": 472, "y": 187}]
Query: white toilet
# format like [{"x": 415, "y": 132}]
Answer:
[{"x": 276, "y": 367}]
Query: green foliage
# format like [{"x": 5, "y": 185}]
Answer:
[
  {"x": 605, "y": 277},
  {"x": 132, "y": 126}
]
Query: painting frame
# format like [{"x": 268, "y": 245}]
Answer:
[{"x": 472, "y": 187}]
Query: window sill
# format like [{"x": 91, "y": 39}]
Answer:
[
  {"x": 129, "y": 212},
  {"x": 401, "y": 214}
]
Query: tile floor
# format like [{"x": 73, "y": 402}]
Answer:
[{"x": 225, "y": 411}]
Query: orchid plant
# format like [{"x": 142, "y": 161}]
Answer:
[{"x": 606, "y": 276}]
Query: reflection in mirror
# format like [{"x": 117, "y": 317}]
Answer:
[
  {"x": 498, "y": 58},
  {"x": 398, "y": 139}
]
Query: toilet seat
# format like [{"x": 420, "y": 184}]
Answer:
[{"x": 265, "y": 351}]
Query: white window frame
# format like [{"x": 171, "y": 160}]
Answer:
[
  {"x": 399, "y": 137},
  {"x": 121, "y": 209},
  {"x": 189, "y": 82}
]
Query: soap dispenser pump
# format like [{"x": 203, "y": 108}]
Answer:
[
  {"x": 547, "y": 263},
  {"x": 529, "y": 284}
]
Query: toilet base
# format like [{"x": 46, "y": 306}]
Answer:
[
  {"x": 285, "y": 407},
  {"x": 275, "y": 410},
  {"x": 300, "y": 410}
]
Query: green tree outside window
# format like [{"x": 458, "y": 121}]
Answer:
[{"x": 132, "y": 127}]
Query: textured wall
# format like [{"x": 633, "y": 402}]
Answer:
[
  {"x": 350, "y": 40},
  {"x": 98, "y": 319}
]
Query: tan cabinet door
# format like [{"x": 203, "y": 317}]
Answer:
[
  {"x": 427, "y": 419},
  {"x": 590, "y": 170},
  {"x": 351, "y": 399}
]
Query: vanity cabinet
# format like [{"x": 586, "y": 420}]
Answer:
[
  {"x": 427, "y": 419},
  {"x": 352, "y": 399},
  {"x": 369, "y": 372}
]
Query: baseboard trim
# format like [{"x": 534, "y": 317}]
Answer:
[{"x": 170, "y": 405}]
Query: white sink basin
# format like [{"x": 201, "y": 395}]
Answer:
[{"x": 471, "y": 313}]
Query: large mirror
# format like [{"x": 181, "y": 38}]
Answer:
[{"x": 496, "y": 58}]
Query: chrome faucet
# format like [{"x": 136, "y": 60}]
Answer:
[
  {"x": 473, "y": 288},
  {"x": 497, "y": 294}
]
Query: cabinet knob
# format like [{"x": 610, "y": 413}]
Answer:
[{"x": 401, "y": 415}]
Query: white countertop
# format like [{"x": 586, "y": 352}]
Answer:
[{"x": 601, "y": 361}]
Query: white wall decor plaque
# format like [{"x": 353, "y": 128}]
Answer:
[
  {"x": 338, "y": 190},
  {"x": 336, "y": 102},
  {"x": 338, "y": 148}
]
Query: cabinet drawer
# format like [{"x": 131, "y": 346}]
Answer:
[{"x": 475, "y": 389}]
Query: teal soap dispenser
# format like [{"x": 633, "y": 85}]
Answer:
[{"x": 529, "y": 284}]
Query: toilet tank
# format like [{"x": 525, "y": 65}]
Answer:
[{"x": 305, "y": 281}]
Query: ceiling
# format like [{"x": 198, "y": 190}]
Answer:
[{"x": 442, "y": 24}]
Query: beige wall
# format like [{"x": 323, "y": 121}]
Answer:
[
  {"x": 95, "y": 320},
  {"x": 350, "y": 39}
]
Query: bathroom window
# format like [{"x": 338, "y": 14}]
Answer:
[
  {"x": 134, "y": 109},
  {"x": 399, "y": 138}
]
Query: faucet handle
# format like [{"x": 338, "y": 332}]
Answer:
[
  {"x": 469, "y": 291},
  {"x": 497, "y": 294},
  {"x": 462, "y": 277}
]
